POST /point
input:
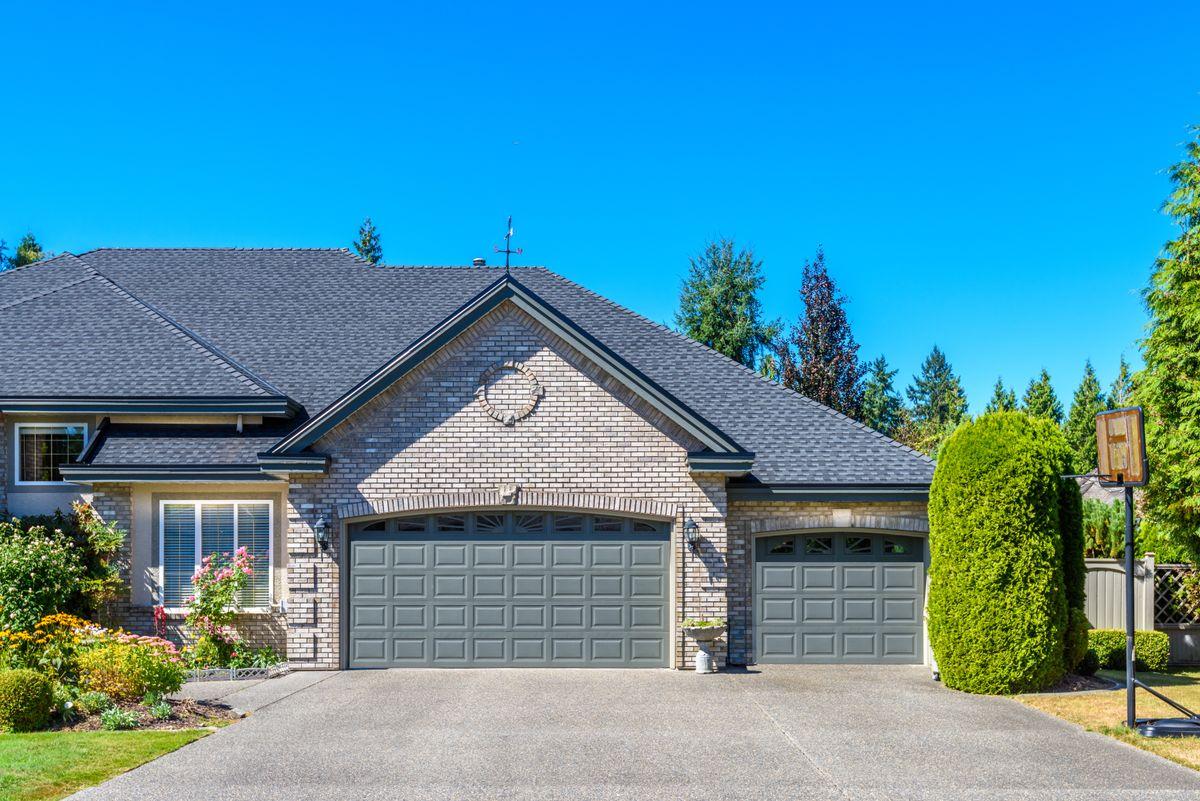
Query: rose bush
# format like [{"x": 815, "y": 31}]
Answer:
[{"x": 213, "y": 605}]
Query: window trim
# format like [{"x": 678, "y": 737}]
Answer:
[
  {"x": 17, "y": 427},
  {"x": 197, "y": 504}
]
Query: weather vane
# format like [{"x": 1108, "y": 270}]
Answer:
[{"x": 508, "y": 250}]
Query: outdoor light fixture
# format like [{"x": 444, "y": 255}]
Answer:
[
  {"x": 321, "y": 531},
  {"x": 691, "y": 533}
]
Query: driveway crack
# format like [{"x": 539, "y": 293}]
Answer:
[{"x": 787, "y": 735}]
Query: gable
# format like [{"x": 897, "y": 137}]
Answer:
[{"x": 507, "y": 400}]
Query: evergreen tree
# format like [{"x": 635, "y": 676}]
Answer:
[
  {"x": 28, "y": 251},
  {"x": 938, "y": 401},
  {"x": 719, "y": 306},
  {"x": 1169, "y": 386},
  {"x": 882, "y": 408},
  {"x": 819, "y": 358},
  {"x": 1003, "y": 399},
  {"x": 4, "y": 263},
  {"x": 1040, "y": 400},
  {"x": 1120, "y": 394},
  {"x": 368, "y": 246},
  {"x": 1080, "y": 427}
]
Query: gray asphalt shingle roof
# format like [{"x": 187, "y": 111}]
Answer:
[
  {"x": 313, "y": 323},
  {"x": 124, "y": 444}
]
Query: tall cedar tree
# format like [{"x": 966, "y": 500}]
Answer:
[
  {"x": 368, "y": 246},
  {"x": 1120, "y": 393},
  {"x": 938, "y": 401},
  {"x": 1003, "y": 399},
  {"x": 1080, "y": 427},
  {"x": 28, "y": 251},
  {"x": 719, "y": 306},
  {"x": 1169, "y": 386},
  {"x": 819, "y": 357},
  {"x": 1040, "y": 400},
  {"x": 882, "y": 408}
]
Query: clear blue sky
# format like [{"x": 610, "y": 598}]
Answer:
[{"x": 985, "y": 180}]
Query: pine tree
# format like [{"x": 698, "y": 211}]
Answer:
[
  {"x": 719, "y": 306},
  {"x": 28, "y": 251},
  {"x": 938, "y": 401},
  {"x": 1003, "y": 399},
  {"x": 1040, "y": 400},
  {"x": 1080, "y": 427},
  {"x": 1120, "y": 394},
  {"x": 1169, "y": 386},
  {"x": 4, "y": 263},
  {"x": 368, "y": 246},
  {"x": 819, "y": 358},
  {"x": 882, "y": 408}
]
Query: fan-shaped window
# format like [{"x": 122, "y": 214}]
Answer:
[
  {"x": 489, "y": 523},
  {"x": 534, "y": 523}
]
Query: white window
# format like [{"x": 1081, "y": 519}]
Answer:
[
  {"x": 192, "y": 530},
  {"x": 42, "y": 447}
]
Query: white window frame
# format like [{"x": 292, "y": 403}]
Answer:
[
  {"x": 197, "y": 505},
  {"x": 17, "y": 428}
]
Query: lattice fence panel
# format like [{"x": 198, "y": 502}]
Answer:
[{"x": 1176, "y": 595}]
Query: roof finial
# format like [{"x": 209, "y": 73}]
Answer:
[{"x": 508, "y": 250}]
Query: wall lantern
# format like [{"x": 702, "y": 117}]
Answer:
[
  {"x": 321, "y": 532},
  {"x": 691, "y": 533}
]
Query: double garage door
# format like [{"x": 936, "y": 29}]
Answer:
[
  {"x": 839, "y": 598},
  {"x": 509, "y": 589}
]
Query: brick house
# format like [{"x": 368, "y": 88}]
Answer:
[{"x": 450, "y": 466}]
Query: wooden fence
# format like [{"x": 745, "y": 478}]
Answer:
[{"x": 1160, "y": 601}]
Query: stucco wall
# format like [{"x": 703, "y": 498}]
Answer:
[
  {"x": 22, "y": 500},
  {"x": 428, "y": 435}
]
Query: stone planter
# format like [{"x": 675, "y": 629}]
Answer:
[{"x": 704, "y": 636}]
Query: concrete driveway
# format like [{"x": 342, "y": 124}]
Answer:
[{"x": 778, "y": 733}]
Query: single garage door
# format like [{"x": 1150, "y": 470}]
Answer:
[
  {"x": 845, "y": 598},
  {"x": 509, "y": 589}
]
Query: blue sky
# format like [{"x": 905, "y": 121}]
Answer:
[{"x": 988, "y": 180}]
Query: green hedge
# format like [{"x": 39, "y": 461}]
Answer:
[
  {"x": 998, "y": 613},
  {"x": 1151, "y": 649},
  {"x": 26, "y": 700}
]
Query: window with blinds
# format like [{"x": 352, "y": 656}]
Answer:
[{"x": 191, "y": 530}]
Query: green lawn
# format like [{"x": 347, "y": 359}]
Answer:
[
  {"x": 1104, "y": 712},
  {"x": 51, "y": 765}
]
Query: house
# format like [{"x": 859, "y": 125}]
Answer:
[{"x": 450, "y": 466}]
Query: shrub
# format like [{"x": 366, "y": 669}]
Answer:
[
  {"x": 263, "y": 657},
  {"x": 1151, "y": 649},
  {"x": 160, "y": 711},
  {"x": 128, "y": 670},
  {"x": 997, "y": 598},
  {"x": 117, "y": 719},
  {"x": 1089, "y": 664},
  {"x": 211, "y": 609},
  {"x": 91, "y": 702},
  {"x": 26, "y": 700},
  {"x": 39, "y": 573},
  {"x": 1076, "y": 648}
]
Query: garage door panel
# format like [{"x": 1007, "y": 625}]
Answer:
[
  {"x": 516, "y": 600},
  {"x": 838, "y": 604}
]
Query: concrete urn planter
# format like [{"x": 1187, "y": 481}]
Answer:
[{"x": 704, "y": 636}]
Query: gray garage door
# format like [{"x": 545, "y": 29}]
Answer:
[
  {"x": 844, "y": 598},
  {"x": 509, "y": 589}
]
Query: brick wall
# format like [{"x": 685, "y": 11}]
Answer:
[
  {"x": 742, "y": 514},
  {"x": 429, "y": 434}
]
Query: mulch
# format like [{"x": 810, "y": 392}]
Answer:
[
  {"x": 185, "y": 714},
  {"x": 1076, "y": 684}
]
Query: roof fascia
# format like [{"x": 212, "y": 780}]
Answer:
[
  {"x": 755, "y": 491},
  {"x": 90, "y": 474},
  {"x": 268, "y": 406}
]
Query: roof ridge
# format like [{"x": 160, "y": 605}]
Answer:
[
  {"x": 210, "y": 350},
  {"x": 833, "y": 412},
  {"x": 46, "y": 292},
  {"x": 246, "y": 249}
]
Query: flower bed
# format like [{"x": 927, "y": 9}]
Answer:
[{"x": 184, "y": 714}]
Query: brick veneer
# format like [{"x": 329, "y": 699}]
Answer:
[{"x": 427, "y": 435}]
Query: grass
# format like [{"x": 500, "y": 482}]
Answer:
[
  {"x": 51, "y": 765},
  {"x": 1104, "y": 712}
]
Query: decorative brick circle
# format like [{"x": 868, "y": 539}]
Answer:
[{"x": 516, "y": 406}]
